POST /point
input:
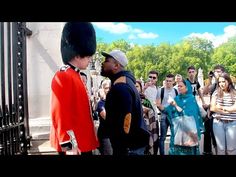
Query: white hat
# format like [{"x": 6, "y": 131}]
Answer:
[{"x": 118, "y": 56}]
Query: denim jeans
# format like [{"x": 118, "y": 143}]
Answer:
[
  {"x": 225, "y": 135},
  {"x": 139, "y": 151},
  {"x": 105, "y": 146},
  {"x": 122, "y": 151},
  {"x": 164, "y": 124},
  {"x": 209, "y": 138}
]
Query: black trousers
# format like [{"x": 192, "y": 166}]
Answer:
[
  {"x": 209, "y": 138},
  {"x": 156, "y": 143}
]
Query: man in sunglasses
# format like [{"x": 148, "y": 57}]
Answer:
[
  {"x": 150, "y": 87},
  {"x": 150, "y": 92}
]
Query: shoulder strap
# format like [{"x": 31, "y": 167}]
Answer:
[
  {"x": 162, "y": 93},
  {"x": 64, "y": 68},
  {"x": 213, "y": 88},
  {"x": 176, "y": 92}
]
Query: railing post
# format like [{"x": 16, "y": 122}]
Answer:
[{"x": 14, "y": 123}]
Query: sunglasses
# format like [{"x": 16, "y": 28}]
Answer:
[
  {"x": 191, "y": 71},
  {"x": 152, "y": 77}
]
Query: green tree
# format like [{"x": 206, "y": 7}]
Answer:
[
  {"x": 142, "y": 59},
  {"x": 192, "y": 51},
  {"x": 225, "y": 54}
]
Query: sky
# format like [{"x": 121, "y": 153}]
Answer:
[{"x": 147, "y": 33}]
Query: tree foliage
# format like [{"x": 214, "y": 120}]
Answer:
[
  {"x": 226, "y": 55},
  {"x": 166, "y": 58}
]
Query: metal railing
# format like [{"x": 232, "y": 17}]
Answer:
[{"x": 14, "y": 126}]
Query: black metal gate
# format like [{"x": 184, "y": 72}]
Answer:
[{"x": 14, "y": 126}]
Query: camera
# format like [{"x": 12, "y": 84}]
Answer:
[{"x": 211, "y": 74}]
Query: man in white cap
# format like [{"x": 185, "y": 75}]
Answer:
[{"x": 125, "y": 125}]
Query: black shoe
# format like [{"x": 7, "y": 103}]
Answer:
[
  {"x": 207, "y": 153},
  {"x": 216, "y": 152}
]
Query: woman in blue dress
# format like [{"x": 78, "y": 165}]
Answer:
[{"x": 186, "y": 123}]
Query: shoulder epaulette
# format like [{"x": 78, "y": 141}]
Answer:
[{"x": 64, "y": 68}]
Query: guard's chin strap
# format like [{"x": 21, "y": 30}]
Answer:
[{"x": 74, "y": 68}]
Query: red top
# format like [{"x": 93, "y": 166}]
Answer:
[{"x": 70, "y": 110}]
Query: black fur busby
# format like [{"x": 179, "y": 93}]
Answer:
[{"x": 78, "y": 38}]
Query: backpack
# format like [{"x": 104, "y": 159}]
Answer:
[
  {"x": 212, "y": 89},
  {"x": 162, "y": 93}
]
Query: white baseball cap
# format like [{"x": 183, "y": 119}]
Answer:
[{"x": 118, "y": 56}]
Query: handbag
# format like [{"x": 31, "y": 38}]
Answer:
[{"x": 185, "y": 131}]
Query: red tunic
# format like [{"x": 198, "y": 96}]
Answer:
[{"x": 70, "y": 110}]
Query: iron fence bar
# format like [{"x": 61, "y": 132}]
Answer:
[
  {"x": 1, "y": 134},
  {"x": 16, "y": 76},
  {"x": 2, "y": 124},
  {"x": 18, "y": 42},
  {"x": 14, "y": 125},
  {"x": 9, "y": 47},
  {"x": 9, "y": 72},
  {"x": 2, "y": 73},
  {"x": 7, "y": 133},
  {"x": 26, "y": 32},
  {"x": 14, "y": 131}
]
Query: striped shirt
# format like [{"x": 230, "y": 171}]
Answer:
[{"x": 226, "y": 102}]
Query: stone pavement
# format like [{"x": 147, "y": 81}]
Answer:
[
  {"x": 41, "y": 147},
  {"x": 39, "y": 130}
]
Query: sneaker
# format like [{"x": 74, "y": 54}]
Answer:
[
  {"x": 215, "y": 150},
  {"x": 207, "y": 153}
]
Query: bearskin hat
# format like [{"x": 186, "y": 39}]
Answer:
[{"x": 78, "y": 38}]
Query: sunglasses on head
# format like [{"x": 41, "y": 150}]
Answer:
[{"x": 152, "y": 77}]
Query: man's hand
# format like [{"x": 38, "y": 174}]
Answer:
[
  {"x": 205, "y": 106},
  {"x": 147, "y": 84}
]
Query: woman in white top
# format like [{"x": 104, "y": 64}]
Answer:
[{"x": 223, "y": 103}]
